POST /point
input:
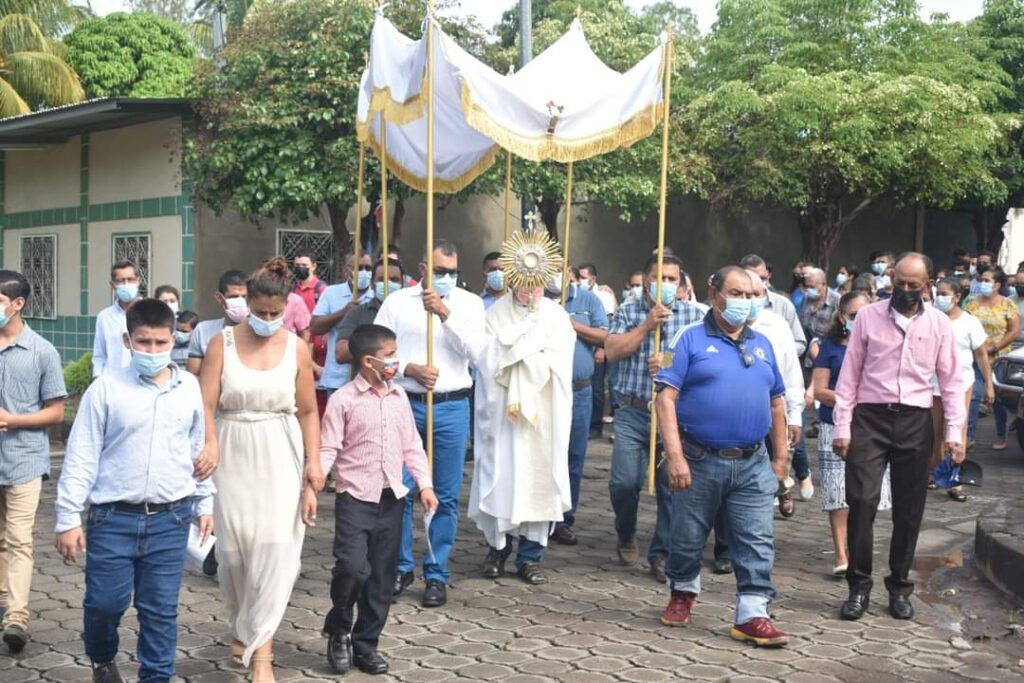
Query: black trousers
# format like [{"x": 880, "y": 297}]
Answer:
[
  {"x": 367, "y": 538},
  {"x": 901, "y": 438}
]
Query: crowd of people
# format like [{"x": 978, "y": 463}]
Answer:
[{"x": 230, "y": 427}]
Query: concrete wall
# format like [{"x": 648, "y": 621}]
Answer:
[
  {"x": 165, "y": 250},
  {"x": 135, "y": 162},
  {"x": 68, "y": 261},
  {"x": 43, "y": 179}
]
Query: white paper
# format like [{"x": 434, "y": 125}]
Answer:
[
  {"x": 428, "y": 517},
  {"x": 196, "y": 552}
]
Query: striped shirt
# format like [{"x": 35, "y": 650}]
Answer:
[
  {"x": 631, "y": 376},
  {"x": 366, "y": 438},
  {"x": 30, "y": 374}
]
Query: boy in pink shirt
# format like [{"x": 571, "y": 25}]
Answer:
[{"x": 368, "y": 435}]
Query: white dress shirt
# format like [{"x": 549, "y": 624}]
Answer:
[
  {"x": 402, "y": 312},
  {"x": 782, "y": 306},
  {"x": 108, "y": 349},
  {"x": 779, "y": 335}
]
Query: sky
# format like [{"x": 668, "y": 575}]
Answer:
[{"x": 489, "y": 11}]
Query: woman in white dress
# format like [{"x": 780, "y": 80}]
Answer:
[
  {"x": 971, "y": 340},
  {"x": 261, "y": 417}
]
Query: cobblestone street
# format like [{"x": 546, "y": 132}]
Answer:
[{"x": 595, "y": 621}]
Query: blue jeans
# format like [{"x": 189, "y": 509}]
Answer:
[
  {"x": 451, "y": 430},
  {"x": 136, "y": 554},
  {"x": 628, "y": 477},
  {"x": 744, "y": 489},
  {"x": 582, "y": 405},
  {"x": 801, "y": 463},
  {"x": 998, "y": 409},
  {"x": 597, "y": 413},
  {"x": 528, "y": 552}
]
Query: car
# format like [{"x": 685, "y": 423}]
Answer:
[{"x": 1008, "y": 378}]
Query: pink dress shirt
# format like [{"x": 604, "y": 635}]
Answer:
[
  {"x": 296, "y": 316},
  {"x": 367, "y": 438},
  {"x": 884, "y": 365}
]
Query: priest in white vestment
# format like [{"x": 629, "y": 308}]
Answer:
[{"x": 523, "y": 413}]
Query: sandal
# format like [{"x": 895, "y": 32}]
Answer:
[
  {"x": 237, "y": 651},
  {"x": 958, "y": 496},
  {"x": 259, "y": 659},
  {"x": 931, "y": 484}
]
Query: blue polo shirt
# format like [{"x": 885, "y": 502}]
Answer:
[
  {"x": 723, "y": 403},
  {"x": 586, "y": 309}
]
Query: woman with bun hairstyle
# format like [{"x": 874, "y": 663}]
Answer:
[{"x": 262, "y": 426}]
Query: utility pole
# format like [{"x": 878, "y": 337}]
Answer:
[{"x": 525, "y": 55}]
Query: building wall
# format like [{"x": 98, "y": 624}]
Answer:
[{"x": 43, "y": 179}]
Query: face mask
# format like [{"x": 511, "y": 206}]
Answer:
[
  {"x": 756, "y": 306},
  {"x": 848, "y": 326},
  {"x": 150, "y": 364},
  {"x": 496, "y": 280},
  {"x": 554, "y": 285},
  {"x": 182, "y": 338},
  {"x": 4, "y": 318},
  {"x": 973, "y": 270},
  {"x": 736, "y": 311},
  {"x": 883, "y": 282},
  {"x": 301, "y": 273},
  {"x": 986, "y": 288},
  {"x": 958, "y": 273},
  {"x": 363, "y": 278},
  {"x": 586, "y": 284},
  {"x": 878, "y": 268},
  {"x": 378, "y": 289},
  {"x": 668, "y": 292},
  {"x": 127, "y": 292},
  {"x": 389, "y": 370},
  {"x": 444, "y": 285},
  {"x": 1020, "y": 291},
  {"x": 983, "y": 268},
  {"x": 236, "y": 309},
  {"x": 265, "y": 328},
  {"x": 905, "y": 301},
  {"x": 812, "y": 294},
  {"x": 944, "y": 303},
  {"x": 840, "y": 280},
  {"x": 798, "y": 280},
  {"x": 637, "y": 291},
  {"x": 173, "y": 305}
]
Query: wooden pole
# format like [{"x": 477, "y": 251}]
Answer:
[
  {"x": 384, "y": 197},
  {"x": 429, "y": 82},
  {"x": 568, "y": 234},
  {"x": 662, "y": 200},
  {"x": 359, "y": 219},
  {"x": 508, "y": 191}
]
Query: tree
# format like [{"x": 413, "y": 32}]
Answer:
[
  {"x": 178, "y": 11},
  {"x": 32, "y": 72},
  {"x": 53, "y": 17},
  {"x": 829, "y": 112},
  {"x": 131, "y": 55}
]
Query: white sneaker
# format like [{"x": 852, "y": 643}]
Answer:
[{"x": 806, "y": 489}]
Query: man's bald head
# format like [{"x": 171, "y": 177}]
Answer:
[{"x": 913, "y": 272}]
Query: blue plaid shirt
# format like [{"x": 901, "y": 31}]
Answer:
[{"x": 631, "y": 375}]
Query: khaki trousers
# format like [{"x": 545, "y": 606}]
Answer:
[{"x": 18, "y": 506}]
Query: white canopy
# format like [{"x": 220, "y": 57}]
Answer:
[{"x": 565, "y": 105}]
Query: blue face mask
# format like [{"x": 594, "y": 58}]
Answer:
[
  {"x": 363, "y": 278},
  {"x": 637, "y": 292},
  {"x": 4, "y": 318},
  {"x": 877, "y": 268},
  {"x": 756, "y": 306},
  {"x": 378, "y": 289},
  {"x": 150, "y": 364},
  {"x": 496, "y": 280},
  {"x": 944, "y": 303},
  {"x": 265, "y": 328},
  {"x": 840, "y": 279},
  {"x": 986, "y": 288},
  {"x": 668, "y": 292},
  {"x": 127, "y": 292},
  {"x": 812, "y": 294},
  {"x": 737, "y": 311},
  {"x": 182, "y": 338},
  {"x": 444, "y": 284},
  {"x": 849, "y": 326}
]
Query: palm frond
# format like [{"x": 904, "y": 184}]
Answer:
[
  {"x": 43, "y": 79},
  {"x": 200, "y": 32},
  {"x": 18, "y": 33},
  {"x": 11, "y": 103},
  {"x": 54, "y": 17}
]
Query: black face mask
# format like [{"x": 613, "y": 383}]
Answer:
[
  {"x": 798, "y": 280},
  {"x": 904, "y": 301},
  {"x": 982, "y": 268},
  {"x": 301, "y": 273},
  {"x": 1020, "y": 290}
]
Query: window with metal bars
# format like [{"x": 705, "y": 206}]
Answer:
[
  {"x": 291, "y": 242},
  {"x": 135, "y": 248},
  {"x": 39, "y": 266}
]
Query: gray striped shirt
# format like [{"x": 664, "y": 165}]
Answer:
[{"x": 30, "y": 373}]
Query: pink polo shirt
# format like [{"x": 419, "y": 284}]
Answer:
[
  {"x": 296, "y": 316},
  {"x": 366, "y": 438},
  {"x": 885, "y": 365}
]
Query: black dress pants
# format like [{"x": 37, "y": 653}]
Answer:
[
  {"x": 367, "y": 538},
  {"x": 901, "y": 437}
]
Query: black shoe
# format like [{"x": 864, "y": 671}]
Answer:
[
  {"x": 855, "y": 606},
  {"x": 339, "y": 652},
  {"x": 435, "y": 595},
  {"x": 402, "y": 581},
  {"x": 494, "y": 563},
  {"x": 723, "y": 565},
  {"x": 106, "y": 673},
  {"x": 372, "y": 664},
  {"x": 15, "y": 637},
  {"x": 532, "y": 574},
  {"x": 564, "y": 535},
  {"x": 900, "y": 607}
]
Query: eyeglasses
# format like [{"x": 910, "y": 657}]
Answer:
[{"x": 748, "y": 360}]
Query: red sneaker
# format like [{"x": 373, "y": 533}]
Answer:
[
  {"x": 759, "y": 631},
  {"x": 679, "y": 607}
]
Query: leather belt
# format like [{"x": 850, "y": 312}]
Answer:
[
  {"x": 143, "y": 508},
  {"x": 441, "y": 397},
  {"x": 631, "y": 400},
  {"x": 580, "y": 384},
  {"x": 895, "y": 407},
  {"x": 728, "y": 453}
]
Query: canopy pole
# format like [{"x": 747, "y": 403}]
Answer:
[
  {"x": 429, "y": 82},
  {"x": 568, "y": 234},
  {"x": 384, "y": 194},
  {"x": 508, "y": 191},
  {"x": 662, "y": 200},
  {"x": 359, "y": 218}
]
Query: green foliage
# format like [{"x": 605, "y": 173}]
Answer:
[
  {"x": 131, "y": 55},
  {"x": 54, "y": 17},
  {"x": 33, "y": 73},
  {"x": 178, "y": 11},
  {"x": 78, "y": 375}
]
